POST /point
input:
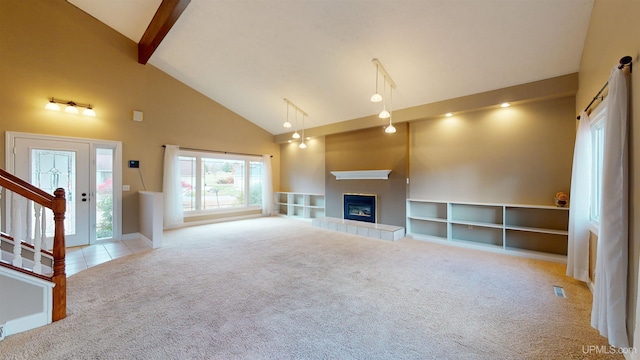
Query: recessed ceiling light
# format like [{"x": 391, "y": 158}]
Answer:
[
  {"x": 505, "y": 105},
  {"x": 448, "y": 114}
]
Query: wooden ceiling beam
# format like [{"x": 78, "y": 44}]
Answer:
[{"x": 165, "y": 17}]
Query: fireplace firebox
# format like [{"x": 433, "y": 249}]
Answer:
[{"x": 360, "y": 207}]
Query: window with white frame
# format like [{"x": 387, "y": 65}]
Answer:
[
  {"x": 598, "y": 118},
  {"x": 219, "y": 182}
]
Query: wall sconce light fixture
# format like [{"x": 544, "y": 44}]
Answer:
[{"x": 71, "y": 107}]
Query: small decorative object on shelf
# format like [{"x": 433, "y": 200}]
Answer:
[{"x": 561, "y": 199}]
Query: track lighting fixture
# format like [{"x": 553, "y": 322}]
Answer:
[
  {"x": 296, "y": 135},
  {"x": 384, "y": 114},
  {"x": 71, "y": 107}
]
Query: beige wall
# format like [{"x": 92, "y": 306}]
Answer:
[
  {"x": 521, "y": 154},
  {"x": 49, "y": 48},
  {"x": 369, "y": 149},
  {"x": 302, "y": 170},
  {"x": 614, "y": 31}
]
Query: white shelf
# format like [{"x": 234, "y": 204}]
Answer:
[
  {"x": 533, "y": 231},
  {"x": 427, "y": 218},
  {"x": 299, "y": 205},
  {"x": 362, "y": 175},
  {"x": 477, "y": 223}
]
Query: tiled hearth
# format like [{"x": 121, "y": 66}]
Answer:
[{"x": 376, "y": 231}]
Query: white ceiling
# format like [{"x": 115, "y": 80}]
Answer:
[{"x": 250, "y": 54}]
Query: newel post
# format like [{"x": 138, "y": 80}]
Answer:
[{"x": 59, "y": 278}]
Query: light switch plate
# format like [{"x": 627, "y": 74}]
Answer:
[{"x": 126, "y": 188}]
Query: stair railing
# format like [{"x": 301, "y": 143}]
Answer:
[{"x": 57, "y": 204}]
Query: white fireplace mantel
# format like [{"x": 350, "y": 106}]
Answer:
[{"x": 362, "y": 175}]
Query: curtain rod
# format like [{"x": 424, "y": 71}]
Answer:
[
  {"x": 217, "y": 151},
  {"x": 623, "y": 62}
]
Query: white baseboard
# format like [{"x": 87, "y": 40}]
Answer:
[
  {"x": 213, "y": 221},
  {"x": 131, "y": 236},
  {"x": 136, "y": 236}
]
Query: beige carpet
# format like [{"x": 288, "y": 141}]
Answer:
[{"x": 276, "y": 288}]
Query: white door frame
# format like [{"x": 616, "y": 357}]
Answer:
[{"x": 93, "y": 145}]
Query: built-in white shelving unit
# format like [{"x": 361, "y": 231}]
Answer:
[
  {"x": 300, "y": 205},
  {"x": 534, "y": 231}
]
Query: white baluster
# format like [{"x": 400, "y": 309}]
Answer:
[
  {"x": 28, "y": 236},
  {"x": 37, "y": 242},
  {"x": 16, "y": 228},
  {"x": 43, "y": 230}
]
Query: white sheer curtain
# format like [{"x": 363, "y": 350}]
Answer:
[
  {"x": 267, "y": 186},
  {"x": 608, "y": 313},
  {"x": 172, "y": 188},
  {"x": 578, "y": 253}
]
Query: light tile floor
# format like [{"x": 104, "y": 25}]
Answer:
[{"x": 83, "y": 257}]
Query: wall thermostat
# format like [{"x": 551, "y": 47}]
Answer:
[{"x": 134, "y": 163}]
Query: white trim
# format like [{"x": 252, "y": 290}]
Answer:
[
  {"x": 93, "y": 145},
  {"x": 131, "y": 236},
  {"x": 362, "y": 175},
  {"x": 37, "y": 319},
  {"x": 213, "y": 221}
]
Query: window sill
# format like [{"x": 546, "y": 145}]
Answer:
[{"x": 190, "y": 214}]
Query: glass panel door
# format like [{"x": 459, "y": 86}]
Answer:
[
  {"x": 52, "y": 169},
  {"x": 50, "y": 164},
  {"x": 104, "y": 193}
]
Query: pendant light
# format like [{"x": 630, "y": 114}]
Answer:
[
  {"x": 295, "y": 134},
  {"x": 384, "y": 114},
  {"x": 376, "y": 98},
  {"x": 390, "y": 129},
  {"x": 287, "y": 124},
  {"x": 302, "y": 144}
]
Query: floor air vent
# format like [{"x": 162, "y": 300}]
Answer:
[{"x": 559, "y": 291}]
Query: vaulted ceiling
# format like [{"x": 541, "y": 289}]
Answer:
[{"x": 249, "y": 55}]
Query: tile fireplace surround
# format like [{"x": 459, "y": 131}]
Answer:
[{"x": 376, "y": 231}]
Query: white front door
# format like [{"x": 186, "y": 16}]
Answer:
[{"x": 52, "y": 164}]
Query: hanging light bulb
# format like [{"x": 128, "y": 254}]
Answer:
[
  {"x": 390, "y": 129},
  {"x": 287, "y": 124},
  {"x": 295, "y": 134},
  {"x": 384, "y": 114},
  {"x": 302, "y": 144},
  {"x": 376, "y": 98}
]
